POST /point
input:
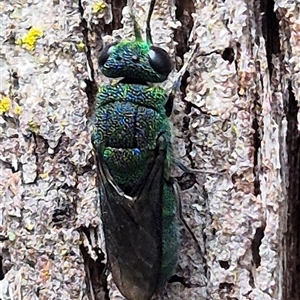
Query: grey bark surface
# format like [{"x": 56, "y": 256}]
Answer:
[{"x": 235, "y": 120}]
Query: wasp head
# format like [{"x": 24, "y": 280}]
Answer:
[{"x": 136, "y": 62}]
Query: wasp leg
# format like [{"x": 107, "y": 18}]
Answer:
[
  {"x": 185, "y": 169},
  {"x": 179, "y": 209}
]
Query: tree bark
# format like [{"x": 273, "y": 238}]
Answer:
[{"x": 235, "y": 121}]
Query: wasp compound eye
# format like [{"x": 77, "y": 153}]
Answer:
[
  {"x": 104, "y": 55},
  {"x": 160, "y": 61}
]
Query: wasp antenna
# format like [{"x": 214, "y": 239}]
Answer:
[
  {"x": 148, "y": 30},
  {"x": 177, "y": 82},
  {"x": 137, "y": 29}
]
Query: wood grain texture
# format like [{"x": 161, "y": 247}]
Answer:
[{"x": 235, "y": 120}]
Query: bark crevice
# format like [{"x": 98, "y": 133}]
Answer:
[
  {"x": 293, "y": 228},
  {"x": 270, "y": 31},
  {"x": 256, "y": 242},
  {"x": 96, "y": 280},
  {"x": 184, "y": 10},
  {"x": 91, "y": 87}
]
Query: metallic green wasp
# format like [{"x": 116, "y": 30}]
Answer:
[{"x": 132, "y": 142}]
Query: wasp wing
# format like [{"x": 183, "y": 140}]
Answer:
[{"x": 133, "y": 229}]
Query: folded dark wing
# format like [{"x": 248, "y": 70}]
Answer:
[{"x": 133, "y": 230}]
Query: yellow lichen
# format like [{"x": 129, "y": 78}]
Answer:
[
  {"x": 29, "y": 226},
  {"x": 80, "y": 46},
  {"x": 63, "y": 252},
  {"x": 99, "y": 7},
  {"x": 29, "y": 40},
  {"x": 34, "y": 127},
  {"x": 18, "y": 110},
  {"x": 4, "y": 105},
  {"x": 44, "y": 175}
]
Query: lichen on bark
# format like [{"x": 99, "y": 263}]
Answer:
[{"x": 235, "y": 120}]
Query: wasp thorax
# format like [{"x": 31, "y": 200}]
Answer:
[{"x": 136, "y": 62}]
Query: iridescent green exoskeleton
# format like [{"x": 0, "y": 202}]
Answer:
[{"x": 132, "y": 142}]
